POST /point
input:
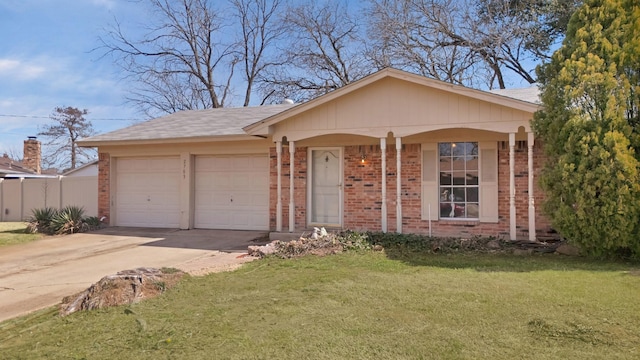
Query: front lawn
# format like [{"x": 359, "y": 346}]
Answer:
[
  {"x": 367, "y": 305},
  {"x": 12, "y": 233}
]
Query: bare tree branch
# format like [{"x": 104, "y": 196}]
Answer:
[
  {"x": 178, "y": 63},
  {"x": 61, "y": 149},
  {"x": 324, "y": 52},
  {"x": 463, "y": 41}
]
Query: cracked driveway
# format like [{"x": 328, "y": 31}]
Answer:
[{"x": 39, "y": 274}]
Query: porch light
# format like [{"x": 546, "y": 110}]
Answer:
[{"x": 363, "y": 157}]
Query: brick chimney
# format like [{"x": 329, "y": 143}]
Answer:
[{"x": 32, "y": 154}]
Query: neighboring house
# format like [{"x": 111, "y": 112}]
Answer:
[
  {"x": 29, "y": 167},
  {"x": 88, "y": 169},
  {"x": 10, "y": 167},
  {"x": 24, "y": 186},
  {"x": 393, "y": 152}
]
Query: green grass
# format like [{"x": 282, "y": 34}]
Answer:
[
  {"x": 362, "y": 306},
  {"x": 12, "y": 233}
]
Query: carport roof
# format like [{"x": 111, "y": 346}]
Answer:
[{"x": 221, "y": 122}]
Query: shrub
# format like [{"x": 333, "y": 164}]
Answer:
[
  {"x": 92, "y": 221},
  {"x": 352, "y": 240},
  {"x": 40, "y": 220},
  {"x": 424, "y": 243},
  {"x": 69, "y": 220}
]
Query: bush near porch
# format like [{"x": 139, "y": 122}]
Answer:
[{"x": 363, "y": 305}]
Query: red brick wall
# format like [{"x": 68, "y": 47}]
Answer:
[
  {"x": 362, "y": 188},
  {"x": 300, "y": 186},
  {"x": 362, "y": 192},
  {"x": 104, "y": 208}
]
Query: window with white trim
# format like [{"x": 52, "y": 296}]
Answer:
[
  {"x": 461, "y": 181},
  {"x": 458, "y": 180}
]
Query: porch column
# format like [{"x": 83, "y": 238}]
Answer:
[
  {"x": 532, "y": 205},
  {"x": 383, "y": 207},
  {"x": 279, "y": 187},
  {"x": 512, "y": 187},
  {"x": 398, "y": 186},
  {"x": 292, "y": 212}
]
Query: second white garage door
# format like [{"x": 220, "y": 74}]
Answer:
[
  {"x": 148, "y": 192},
  {"x": 232, "y": 192}
]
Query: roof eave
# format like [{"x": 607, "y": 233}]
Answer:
[{"x": 195, "y": 139}]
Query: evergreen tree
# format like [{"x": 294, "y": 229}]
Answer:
[{"x": 590, "y": 129}]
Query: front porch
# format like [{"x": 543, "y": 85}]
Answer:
[{"x": 371, "y": 198}]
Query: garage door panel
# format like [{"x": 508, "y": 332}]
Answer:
[
  {"x": 232, "y": 192},
  {"x": 148, "y": 192},
  {"x": 260, "y": 198},
  {"x": 214, "y": 218}
]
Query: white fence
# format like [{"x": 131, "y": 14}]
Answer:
[{"x": 19, "y": 196}]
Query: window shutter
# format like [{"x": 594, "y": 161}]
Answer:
[
  {"x": 430, "y": 181},
  {"x": 488, "y": 181}
]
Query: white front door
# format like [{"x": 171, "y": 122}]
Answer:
[{"x": 325, "y": 190}]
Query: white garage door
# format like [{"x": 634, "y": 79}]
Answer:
[
  {"x": 232, "y": 192},
  {"x": 148, "y": 192}
]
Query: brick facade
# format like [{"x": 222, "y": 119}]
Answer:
[
  {"x": 300, "y": 186},
  {"x": 104, "y": 190},
  {"x": 362, "y": 192}
]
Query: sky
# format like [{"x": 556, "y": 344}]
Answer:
[{"x": 46, "y": 61}]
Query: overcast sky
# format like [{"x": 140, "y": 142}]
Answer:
[{"x": 46, "y": 61}]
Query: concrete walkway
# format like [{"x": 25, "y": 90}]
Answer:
[{"x": 39, "y": 274}]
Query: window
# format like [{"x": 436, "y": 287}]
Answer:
[
  {"x": 461, "y": 181},
  {"x": 458, "y": 180}
]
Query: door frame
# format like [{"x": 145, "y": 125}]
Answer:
[{"x": 310, "y": 185}]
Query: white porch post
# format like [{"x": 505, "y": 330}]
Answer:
[
  {"x": 383, "y": 207},
  {"x": 512, "y": 187},
  {"x": 398, "y": 186},
  {"x": 292, "y": 212},
  {"x": 279, "y": 187},
  {"x": 532, "y": 206}
]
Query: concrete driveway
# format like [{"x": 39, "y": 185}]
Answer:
[{"x": 39, "y": 274}]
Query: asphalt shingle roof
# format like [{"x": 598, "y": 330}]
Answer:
[
  {"x": 193, "y": 123},
  {"x": 528, "y": 94}
]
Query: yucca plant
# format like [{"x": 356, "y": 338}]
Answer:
[
  {"x": 40, "y": 220},
  {"x": 68, "y": 220},
  {"x": 92, "y": 221}
]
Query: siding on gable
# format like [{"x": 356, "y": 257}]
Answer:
[{"x": 401, "y": 107}]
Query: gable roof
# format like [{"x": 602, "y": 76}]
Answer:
[
  {"x": 226, "y": 123},
  {"x": 10, "y": 166},
  {"x": 261, "y": 127},
  {"x": 245, "y": 123}
]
